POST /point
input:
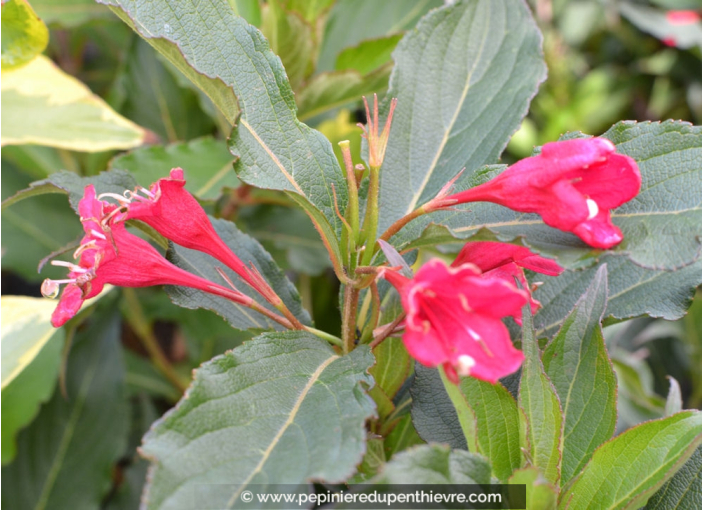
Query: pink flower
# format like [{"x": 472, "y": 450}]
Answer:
[
  {"x": 506, "y": 261},
  {"x": 572, "y": 184},
  {"x": 684, "y": 17},
  {"x": 110, "y": 255},
  {"x": 176, "y": 214},
  {"x": 453, "y": 319}
]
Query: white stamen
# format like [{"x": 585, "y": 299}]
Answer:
[
  {"x": 98, "y": 234},
  {"x": 119, "y": 198},
  {"x": 593, "y": 208},
  {"x": 147, "y": 192},
  {"x": 71, "y": 266},
  {"x": 82, "y": 248},
  {"x": 50, "y": 288},
  {"x": 465, "y": 363}
]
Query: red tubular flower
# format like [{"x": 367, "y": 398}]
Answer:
[
  {"x": 111, "y": 255},
  {"x": 507, "y": 261},
  {"x": 572, "y": 184},
  {"x": 176, "y": 214},
  {"x": 454, "y": 320}
]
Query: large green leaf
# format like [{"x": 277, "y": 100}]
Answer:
[
  {"x": 435, "y": 464},
  {"x": 248, "y": 250},
  {"x": 24, "y": 35},
  {"x": 66, "y": 456},
  {"x": 206, "y": 162},
  {"x": 43, "y": 105},
  {"x": 541, "y": 435},
  {"x": 684, "y": 490},
  {"x": 248, "y": 83},
  {"x": 579, "y": 367},
  {"x": 633, "y": 291},
  {"x": 31, "y": 382},
  {"x": 486, "y": 54},
  {"x": 368, "y": 55},
  {"x": 625, "y": 471},
  {"x": 282, "y": 408},
  {"x": 661, "y": 226}
]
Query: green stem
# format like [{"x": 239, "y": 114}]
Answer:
[
  {"x": 353, "y": 203},
  {"x": 371, "y": 218},
  {"x": 374, "y": 316},
  {"x": 349, "y": 318},
  {"x": 325, "y": 336},
  {"x": 135, "y": 318}
]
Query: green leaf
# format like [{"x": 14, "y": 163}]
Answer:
[
  {"x": 541, "y": 436},
  {"x": 393, "y": 366},
  {"x": 24, "y": 35},
  {"x": 292, "y": 39},
  {"x": 352, "y": 21},
  {"x": 490, "y": 418},
  {"x": 633, "y": 291},
  {"x": 206, "y": 162},
  {"x": 116, "y": 181},
  {"x": 625, "y": 471},
  {"x": 674, "y": 398},
  {"x": 285, "y": 231},
  {"x": 22, "y": 397},
  {"x": 684, "y": 490},
  {"x": 247, "y": 249},
  {"x": 402, "y": 437},
  {"x": 487, "y": 55},
  {"x": 25, "y": 331},
  {"x": 43, "y": 105},
  {"x": 333, "y": 89},
  {"x": 67, "y": 454},
  {"x": 252, "y": 415},
  {"x": 153, "y": 98},
  {"x": 311, "y": 10},
  {"x": 637, "y": 401},
  {"x": 540, "y": 495},
  {"x": 578, "y": 365},
  {"x": 653, "y": 223},
  {"x": 247, "y": 82},
  {"x": 434, "y": 415},
  {"x": 70, "y": 13},
  {"x": 435, "y": 464},
  {"x": 34, "y": 229},
  {"x": 368, "y": 55}
]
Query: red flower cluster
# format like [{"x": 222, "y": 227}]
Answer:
[
  {"x": 454, "y": 313},
  {"x": 110, "y": 255}
]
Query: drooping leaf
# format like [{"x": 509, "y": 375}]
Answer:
[
  {"x": 626, "y": 471},
  {"x": 248, "y": 250},
  {"x": 540, "y": 495},
  {"x": 247, "y": 82},
  {"x": 206, "y": 162},
  {"x": 684, "y": 490},
  {"x": 578, "y": 365},
  {"x": 541, "y": 435},
  {"x": 66, "y": 455},
  {"x": 283, "y": 408},
  {"x": 24, "y": 35},
  {"x": 487, "y": 55},
  {"x": 45, "y": 106}
]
